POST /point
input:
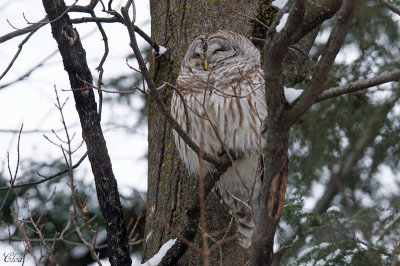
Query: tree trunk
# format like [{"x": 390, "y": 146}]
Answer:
[
  {"x": 170, "y": 189},
  {"x": 75, "y": 64}
]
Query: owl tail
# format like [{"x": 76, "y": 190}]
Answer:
[
  {"x": 241, "y": 195},
  {"x": 245, "y": 225}
]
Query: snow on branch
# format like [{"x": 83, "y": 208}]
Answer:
[
  {"x": 282, "y": 22},
  {"x": 292, "y": 94},
  {"x": 279, "y": 3}
]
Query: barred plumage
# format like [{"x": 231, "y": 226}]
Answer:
[{"x": 222, "y": 101}]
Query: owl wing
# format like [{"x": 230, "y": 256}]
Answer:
[
  {"x": 189, "y": 109},
  {"x": 238, "y": 106},
  {"x": 240, "y": 110}
]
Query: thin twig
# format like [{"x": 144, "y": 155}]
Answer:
[
  {"x": 184, "y": 105},
  {"x": 170, "y": 228},
  {"x": 74, "y": 192},
  {"x": 38, "y": 228},
  {"x": 22, "y": 31},
  {"x": 91, "y": 86},
  {"x": 13, "y": 177},
  {"x": 138, "y": 218},
  {"x": 150, "y": 83},
  {"x": 138, "y": 30},
  {"x": 47, "y": 178},
  {"x": 244, "y": 15},
  {"x": 204, "y": 235},
  {"x": 34, "y": 68},
  {"x": 26, "y": 239},
  {"x": 99, "y": 68},
  {"x": 17, "y": 53},
  {"x": 222, "y": 241},
  {"x": 320, "y": 76}
]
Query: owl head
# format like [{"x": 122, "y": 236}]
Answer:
[{"x": 207, "y": 52}]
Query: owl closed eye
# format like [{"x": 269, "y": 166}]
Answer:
[{"x": 216, "y": 49}]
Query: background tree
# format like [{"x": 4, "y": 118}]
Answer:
[{"x": 75, "y": 224}]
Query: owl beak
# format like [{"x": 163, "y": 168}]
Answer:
[{"x": 205, "y": 64}]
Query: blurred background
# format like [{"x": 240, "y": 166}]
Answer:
[
  {"x": 344, "y": 155},
  {"x": 31, "y": 102}
]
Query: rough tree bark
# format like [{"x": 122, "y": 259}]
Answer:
[
  {"x": 170, "y": 191},
  {"x": 75, "y": 64}
]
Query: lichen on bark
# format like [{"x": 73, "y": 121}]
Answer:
[{"x": 170, "y": 190}]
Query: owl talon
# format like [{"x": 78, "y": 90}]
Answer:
[{"x": 221, "y": 152}]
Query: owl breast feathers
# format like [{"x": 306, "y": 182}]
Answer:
[{"x": 221, "y": 104}]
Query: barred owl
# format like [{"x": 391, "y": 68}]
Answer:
[{"x": 221, "y": 104}]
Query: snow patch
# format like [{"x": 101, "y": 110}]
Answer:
[
  {"x": 282, "y": 22},
  {"x": 279, "y": 3},
  {"x": 162, "y": 49},
  {"x": 324, "y": 245},
  {"x": 156, "y": 259},
  {"x": 333, "y": 209},
  {"x": 292, "y": 94}
]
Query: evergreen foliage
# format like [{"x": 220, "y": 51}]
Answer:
[{"x": 340, "y": 148}]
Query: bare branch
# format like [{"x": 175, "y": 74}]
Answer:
[
  {"x": 204, "y": 235},
  {"x": 35, "y": 26},
  {"x": 133, "y": 230},
  {"x": 320, "y": 76},
  {"x": 224, "y": 240},
  {"x": 360, "y": 85},
  {"x": 47, "y": 178},
  {"x": 91, "y": 86},
  {"x": 95, "y": 19},
  {"x": 118, "y": 18},
  {"x": 38, "y": 229},
  {"x": 99, "y": 68},
  {"x": 74, "y": 192},
  {"x": 275, "y": 157},
  {"x": 13, "y": 177},
  {"x": 29, "y": 72},
  {"x": 244, "y": 15},
  {"x": 26, "y": 239},
  {"x": 391, "y": 6},
  {"x": 274, "y": 53},
  {"x": 170, "y": 228},
  {"x": 17, "y": 53},
  {"x": 316, "y": 12},
  {"x": 22, "y": 31}
]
